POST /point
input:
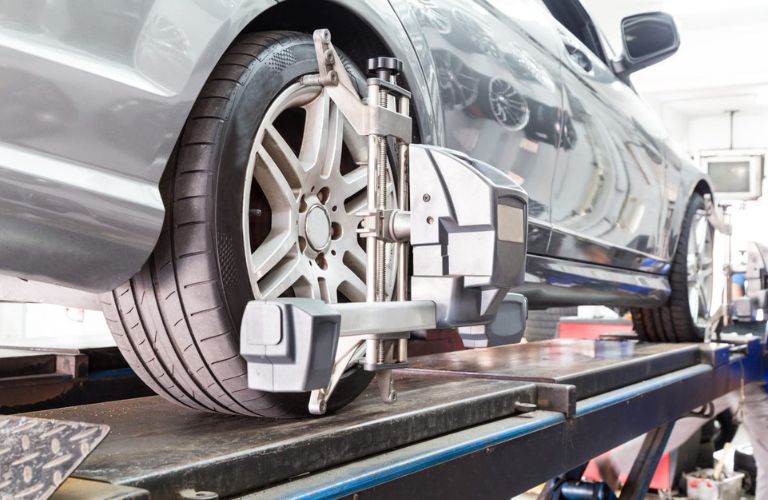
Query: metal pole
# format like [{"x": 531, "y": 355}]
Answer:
[
  {"x": 370, "y": 241},
  {"x": 403, "y": 195}
]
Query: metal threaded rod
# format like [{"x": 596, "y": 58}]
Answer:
[
  {"x": 370, "y": 240},
  {"x": 381, "y": 352},
  {"x": 403, "y": 197},
  {"x": 381, "y": 195}
]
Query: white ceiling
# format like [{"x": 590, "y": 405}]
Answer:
[{"x": 721, "y": 64}]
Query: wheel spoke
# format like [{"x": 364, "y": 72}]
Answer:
[
  {"x": 703, "y": 301},
  {"x": 272, "y": 251},
  {"x": 281, "y": 197},
  {"x": 323, "y": 137},
  {"x": 354, "y": 263},
  {"x": 353, "y": 288},
  {"x": 286, "y": 161},
  {"x": 335, "y": 141},
  {"x": 355, "y": 260},
  {"x": 356, "y": 204},
  {"x": 702, "y": 227},
  {"x": 282, "y": 277},
  {"x": 308, "y": 285},
  {"x": 357, "y": 145},
  {"x": 693, "y": 244},
  {"x": 355, "y": 181},
  {"x": 694, "y": 302}
]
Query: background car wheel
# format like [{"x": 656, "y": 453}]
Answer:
[
  {"x": 684, "y": 317},
  {"x": 260, "y": 198}
]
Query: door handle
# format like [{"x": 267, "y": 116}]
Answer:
[{"x": 578, "y": 56}]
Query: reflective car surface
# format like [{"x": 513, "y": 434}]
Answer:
[
  {"x": 97, "y": 94},
  {"x": 170, "y": 161}
]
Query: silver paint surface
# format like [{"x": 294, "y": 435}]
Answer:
[{"x": 96, "y": 93}]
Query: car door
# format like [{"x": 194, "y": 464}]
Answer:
[
  {"x": 493, "y": 68},
  {"x": 607, "y": 193}
]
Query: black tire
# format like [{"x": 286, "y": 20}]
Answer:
[
  {"x": 673, "y": 321},
  {"x": 177, "y": 321}
]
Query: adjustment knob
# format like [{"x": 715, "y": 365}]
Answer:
[{"x": 384, "y": 67}]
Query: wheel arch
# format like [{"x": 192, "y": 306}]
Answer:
[
  {"x": 361, "y": 30},
  {"x": 696, "y": 185}
]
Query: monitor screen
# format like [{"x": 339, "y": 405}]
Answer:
[{"x": 730, "y": 176}]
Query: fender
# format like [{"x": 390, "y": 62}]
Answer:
[
  {"x": 688, "y": 180},
  {"x": 79, "y": 182}
]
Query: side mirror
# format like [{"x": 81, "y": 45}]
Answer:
[{"x": 647, "y": 38}]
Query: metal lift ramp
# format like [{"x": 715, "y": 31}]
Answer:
[{"x": 486, "y": 423}]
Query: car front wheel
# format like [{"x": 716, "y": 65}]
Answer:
[{"x": 261, "y": 198}]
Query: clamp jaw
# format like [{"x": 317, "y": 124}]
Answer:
[{"x": 465, "y": 226}]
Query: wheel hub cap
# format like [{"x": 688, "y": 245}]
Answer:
[{"x": 317, "y": 228}]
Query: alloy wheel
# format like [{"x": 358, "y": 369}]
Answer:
[{"x": 700, "y": 269}]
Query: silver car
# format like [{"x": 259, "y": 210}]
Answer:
[{"x": 164, "y": 155}]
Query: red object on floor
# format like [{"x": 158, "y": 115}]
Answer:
[
  {"x": 662, "y": 478},
  {"x": 591, "y": 329}
]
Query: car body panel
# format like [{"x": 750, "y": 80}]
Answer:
[
  {"x": 104, "y": 88},
  {"x": 473, "y": 55},
  {"x": 610, "y": 179},
  {"x": 554, "y": 282},
  {"x": 99, "y": 93}
]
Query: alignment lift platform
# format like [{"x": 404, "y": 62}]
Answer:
[{"x": 484, "y": 423}]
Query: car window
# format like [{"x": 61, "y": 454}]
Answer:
[{"x": 575, "y": 19}]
